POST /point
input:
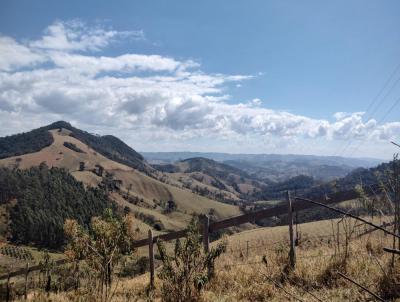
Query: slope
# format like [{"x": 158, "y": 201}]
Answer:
[
  {"x": 214, "y": 176},
  {"x": 142, "y": 195}
]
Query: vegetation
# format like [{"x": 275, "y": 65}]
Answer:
[
  {"x": 23, "y": 143},
  {"x": 45, "y": 199},
  {"x": 16, "y": 252},
  {"x": 185, "y": 274},
  {"x": 278, "y": 190},
  {"x": 73, "y": 147},
  {"x": 102, "y": 247},
  {"x": 107, "y": 145},
  {"x": 35, "y": 140}
]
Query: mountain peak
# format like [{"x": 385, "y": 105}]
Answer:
[
  {"x": 109, "y": 146},
  {"x": 59, "y": 124}
]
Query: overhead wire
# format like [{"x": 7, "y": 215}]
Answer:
[{"x": 374, "y": 105}]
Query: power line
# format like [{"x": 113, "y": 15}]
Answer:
[
  {"x": 377, "y": 107},
  {"x": 396, "y": 102},
  {"x": 372, "y": 104}
]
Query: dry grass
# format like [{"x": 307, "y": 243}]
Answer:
[
  {"x": 143, "y": 186},
  {"x": 246, "y": 277}
]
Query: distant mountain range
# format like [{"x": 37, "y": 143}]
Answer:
[{"x": 274, "y": 167}]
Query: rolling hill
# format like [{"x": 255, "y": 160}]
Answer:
[
  {"x": 108, "y": 163},
  {"x": 208, "y": 176},
  {"x": 37, "y": 139},
  {"x": 274, "y": 167}
]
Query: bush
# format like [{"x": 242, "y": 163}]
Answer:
[
  {"x": 133, "y": 267},
  {"x": 186, "y": 273},
  {"x": 73, "y": 147},
  {"x": 389, "y": 282}
]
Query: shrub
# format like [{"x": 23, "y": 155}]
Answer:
[
  {"x": 186, "y": 273},
  {"x": 133, "y": 267},
  {"x": 101, "y": 247},
  {"x": 389, "y": 282},
  {"x": 73, "y": 147}
]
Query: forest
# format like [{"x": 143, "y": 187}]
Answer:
[{"x": 45, "y": 198}]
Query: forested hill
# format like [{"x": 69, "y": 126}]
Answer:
[
  {"x": 201, "y": 164},
  {"x": 309, "y": 187},
  {"x": 44, "y": 199},
  {"x": 107, "y": 145},
  {"x": 19, "y": 144}
]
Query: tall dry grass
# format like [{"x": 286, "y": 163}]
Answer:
[{"x": 243, "y": 275}]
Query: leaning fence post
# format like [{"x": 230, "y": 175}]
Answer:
[
  {"x": 151, "y": 259},
  {"x": 292, "y": 252}
]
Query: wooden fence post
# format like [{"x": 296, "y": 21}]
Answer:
[
  {"x": 292, "y": 252},
  {"x": 206, "y": 242},
  {"x": 151, "y": 259},
  {"x": 8, "y": 293},
  {"x": 26, "y": 281},
  {"x": 206, "y": 238}
]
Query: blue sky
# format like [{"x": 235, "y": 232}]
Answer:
[{"x": 276, "y": 76}]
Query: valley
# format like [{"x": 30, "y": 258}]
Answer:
[{"x": 78, "y": 175}]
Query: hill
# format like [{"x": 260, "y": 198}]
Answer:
[
  {"x": 206, "y": 176},
  {"x": 274, "y": 167},
  {"x": 136, "y": 188},
  {"x": 35, "y": 140}
]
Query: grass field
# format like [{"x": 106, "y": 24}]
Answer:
[{"x": 242, "y": 275}]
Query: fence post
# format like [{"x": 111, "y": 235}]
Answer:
[
  {"x": 206, "y": 239},
  {"x": 26, "y": 281},
  {"x": 151, "y": 259},
  {"x": 206, "y": 242},
  {"x": 8, "y": 292},
  {"x": 292, "y": 252}
]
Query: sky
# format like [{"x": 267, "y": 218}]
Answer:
[{"x": 300, "y": 77}]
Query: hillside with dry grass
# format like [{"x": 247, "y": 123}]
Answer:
[{"x": 144, "y": 195}]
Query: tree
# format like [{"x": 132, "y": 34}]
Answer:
[
  {"x": 101, "y": 247},
  {"x": 170, "y": 207}
]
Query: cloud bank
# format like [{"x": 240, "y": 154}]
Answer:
[{"x": 63, "y": 75}]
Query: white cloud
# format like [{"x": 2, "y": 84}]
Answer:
[
  {"x": 124, "y": 63},
  {"x": 14, "y": 55},
  {"x": 160, "y": 98},
  {"x": 76, "y": 36}
]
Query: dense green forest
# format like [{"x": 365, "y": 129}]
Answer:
[
  {"x": 23, "y": 143},
  {"x": 45, "y": 198}
]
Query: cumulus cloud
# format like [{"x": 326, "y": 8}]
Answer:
[
  {"x": 63, "y": 75},
  {"x": 14, "y": 55}
]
